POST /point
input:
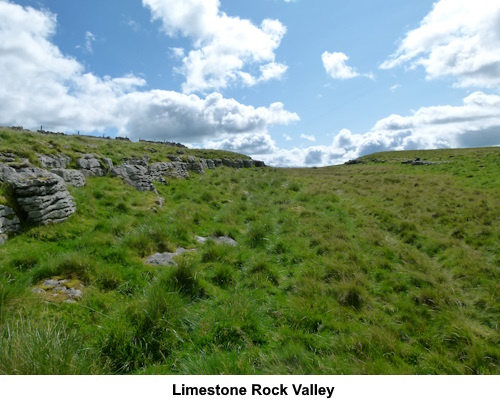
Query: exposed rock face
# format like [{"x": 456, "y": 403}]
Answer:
[
  {"x": 7, "y": 157},
  {"x": 108, "y": 162},
  {"x": 259, "y": 163},
  {"x": 218, "y": 162},
  {"x": 42, "y": 195},
  {"x": 166, "y": 259},
  {"x": 74, "y": 178},
  {"x": 210, "y": 164},
  {"x": 54, "y": 161},
  {"x": 9, "y": 223},
  {"x": 248, "y": 164},
  {"x": 90, "y": 166},
  {"x": 136, "y": 175}
]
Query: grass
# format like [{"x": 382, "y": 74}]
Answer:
[{"x": 376, "y": 268}]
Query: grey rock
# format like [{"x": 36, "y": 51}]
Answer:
[
  {"x": 166, "y": 259},
  {"x": 74, "y": 178},
  {"x": 174, "y": 158},
  {"x": 259, "y": 163},
  {"x": 204, "y": 164},
  {"x": 42, "y": 195},
  {"x": 159, "y": 169},
  {"x": 136, "y": 175},
  {"x": 3, "y": 238},
  {"x": 238, "y": 164},
  {"x": 90, "y": 166},
  {"x": 219, "y": 240},
  {"x": 218, "y": 162},
  {"x": 7, "y": 157},
  {"x": 9, "y": 222},
  {"x": 210, "y": 164},
  {"x": 227, "y": 162},
  {"x": 107, "y": 162},
  {"x": 248, "y": 164},
  {"x": 54, "y": 161}
]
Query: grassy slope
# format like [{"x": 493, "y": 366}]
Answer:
[{"x": 375, "y": 268}]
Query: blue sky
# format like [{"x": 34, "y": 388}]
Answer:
[{"x": 295, "y": 83}]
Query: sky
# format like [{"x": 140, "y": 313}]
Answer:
[{"x": 291, "y": 82}]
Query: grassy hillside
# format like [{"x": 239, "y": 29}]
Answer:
[
  {"x": 28, "y": 144},
  {"x": 372, "y": 268}
]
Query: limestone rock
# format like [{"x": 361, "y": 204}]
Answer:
[
  {"x": 136, "y": 175},
  {"x": 90, "y": 166},
  {"x": 218, "y": 162},
  {"x": 248, "y": 164},
  {"x": 54, "y": 161},
  {"x": 210, "y": 164},
  {"x": 9, "y": 222},
  {"x": 259, "y": 163},
  {"x": 166, "y": 259},
  {"x": 219, "y": 240},
  {"x": 42, "y": 195},
  {"x": 74, "y": 178},
  {"x": 7, "y": 157}
]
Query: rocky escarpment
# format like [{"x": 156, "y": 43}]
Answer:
[{"x": 42, "y": 196}]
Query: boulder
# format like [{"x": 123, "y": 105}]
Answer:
[
  {"x": 218, "y": 162},
  {"x": 107, "y": 162},
  {"x": 259, "y": 163},
  {"x": 54, "y": 161},
  {"x": 248, "y": 164},
  {"x": 74, "y": 178},
  {"x": 136, "y": 175},
  {"x": 41, "y": 195},
  {"x": 90, "y": 166},
  {"x": 210, "y": 164}
]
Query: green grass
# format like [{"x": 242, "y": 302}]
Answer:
[{"x": 377, "y": 268}]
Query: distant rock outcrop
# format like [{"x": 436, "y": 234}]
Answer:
[{"x": 41, "y": 195}]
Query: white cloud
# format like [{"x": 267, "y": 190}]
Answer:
[
  {"x": 473, "y": 124},
  {"x": 89, "y": 39},
  {"x": 41, "y": 86},
  {"x": 311, "y": 138},
  {"x": 335, "y": 65},
  {"x": 395, "y": 88},
  {"x": 458, "y": 39},
  {"x": 226, "y": 50}
]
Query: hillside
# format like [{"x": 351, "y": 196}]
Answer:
[{"x": 377, "y": 267}]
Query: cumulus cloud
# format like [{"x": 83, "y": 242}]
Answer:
[
  {"x": 459, "y": 39},
  {"x": 335, "y": 65},
  {"x": 226, "y": 50},
  {"x": 310, "y": 138},
  {"x": 41, "y": 86},
  {"x": 475, "y": 123}
]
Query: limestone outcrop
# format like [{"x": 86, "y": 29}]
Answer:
[
  {"x": 9, "y": 223},
  {"x": 40, "y": 194},
  {"x": 54, "y": 161},
  {"x": 137, "y": 175},
  {"x": 72, "y": 177},
  {"x": 90, "y": 166}
]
